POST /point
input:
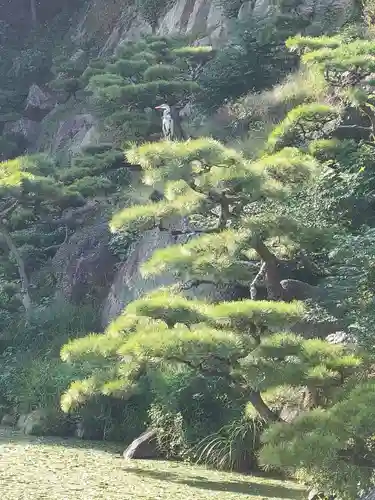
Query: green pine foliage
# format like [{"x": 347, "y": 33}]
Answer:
[
  {"x": 246, "y": 343},
  {"x": 303, "y": 124},
  {"x": 141, "y": 76},
  {"x": 38, "y": 192},
  {"x": 213, "y": 373},
  {"x": 256, "y": 50},
  {"x": 30, "y": 199},
  {"x": 97, "y": 171},
  {"x": 330, "y": 449},
  {"x": 237, "y": 212},
  {"x": 231, "y": 340}
]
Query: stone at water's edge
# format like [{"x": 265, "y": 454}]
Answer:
[{"x": 144, "y": 447}]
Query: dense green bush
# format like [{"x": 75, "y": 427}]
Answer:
[
  {"x": 32, "y": 375},
  {"x": 186, "y": 408}
]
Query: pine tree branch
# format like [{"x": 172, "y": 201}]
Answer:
[
  {"x": 194, "y": 283},
  {"x": 25, "y": 285},
  {"x": 272, "y": 273},
  {"x": 178, "y": 232},
  {"x": 199, "y": 367},
  {"x": 258, "y": 277},
  {"x": 5, "y": 211},
  {"x": 263, "y": 410},
  {"x": 361, "y": 127},
  {"x": 224, "y": 213},
  {"x": 254, "y": 396}
]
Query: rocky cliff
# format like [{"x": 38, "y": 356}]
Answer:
[
  {"x": 114, "y": 21},
  {"x": 66, "y": 128},
  {"x": 107, "y": 23}
]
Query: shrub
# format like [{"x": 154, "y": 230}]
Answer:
[
  {"x": 233, "y": 447},
  {"x": 32, "y": 375},
  {"x": 186, "y": 408}
]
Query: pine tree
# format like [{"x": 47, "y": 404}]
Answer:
[
  {"x": 331, "y": 447},
  {"x": 32, "y": 204},
  {"x": 142, "y": 75},
  {"x": 247, "y": 343},
  {"x": 228, "y": 205}
]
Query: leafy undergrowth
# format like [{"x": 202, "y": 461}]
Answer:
[{"x": 57, "y": 469}]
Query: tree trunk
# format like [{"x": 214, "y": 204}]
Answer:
[
  {"x": 272, "y": 273},
  {"x": 179, "y": 133},
  {"x": 263, "y": 410},
  {"x": 26, "y": 300}
]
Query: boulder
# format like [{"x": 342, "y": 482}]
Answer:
[
  {"x": 144, "y": 447},
  {"x": 299, "y": 290},
  {"x": 39, "y": 103},
  {"x": 33, "y": 423},
  {"x": 342, "y": 338},
  {"x": 21, "y": 421},
  {"x": 44, "y": 422},
  {"x": 3, "y": 410},
  {"x": 9, "y": 420}
]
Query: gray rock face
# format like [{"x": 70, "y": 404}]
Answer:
[
  {"x": 84, "y": 265},
  {"x": 203, "y": 18},
  {"x": 75, "y": 133},
  {"x": 144, "y": 447},
  {"x": 25, "y": 128},
  {"x": 32, "y": 423},
  {"x": 370, "y": 495},
  {"x": 130, "y": 283},
  {"x": 44, "y": 422},
  {"x": 39, "y": 103}
]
